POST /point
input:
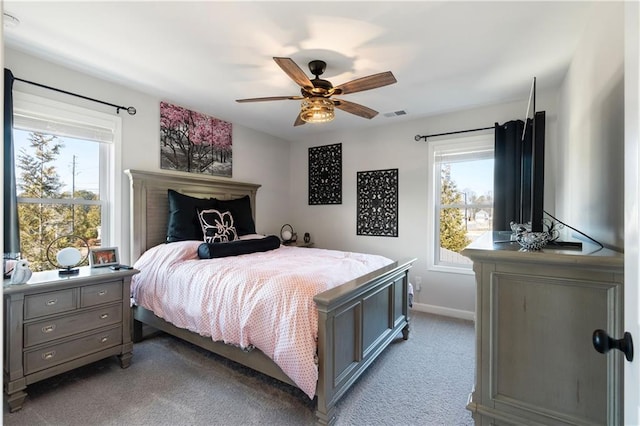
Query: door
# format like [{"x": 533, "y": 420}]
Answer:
[{"x": 632, "y": 209}]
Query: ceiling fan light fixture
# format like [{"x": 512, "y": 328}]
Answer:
[
  {"x": 317, "y": 110},
  {"x": 317, "y": 106}
]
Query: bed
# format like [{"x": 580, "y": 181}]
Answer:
[{"x": 356, "y": 320}]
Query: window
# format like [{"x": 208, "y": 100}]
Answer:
[
  {"x": 64, "y": 160},
  {"x": 460, "y": 197}
]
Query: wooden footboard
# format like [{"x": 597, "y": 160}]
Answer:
[{"x": 356, "y": 321}]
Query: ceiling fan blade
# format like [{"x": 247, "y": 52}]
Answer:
[
  {"x": 294, "y": 72},
  {"x": 366, "y": 83},
  {"x": 353, "y": 108},
  {"x": 299, "y": 121},
  {"x": 270, "y": 98}
]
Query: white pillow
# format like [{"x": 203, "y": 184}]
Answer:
[{"x": 217, "y": 226}]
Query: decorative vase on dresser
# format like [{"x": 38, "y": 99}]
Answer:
[
  {"x": 53, "y": 324},
  {"x": 536, "y": 313}
]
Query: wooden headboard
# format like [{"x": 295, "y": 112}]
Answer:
[{"x": 149, "y": 205}]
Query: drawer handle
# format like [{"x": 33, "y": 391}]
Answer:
[
  {"x": 102, "y": 292},
  {"x": 51, "y": 302},
  {"x": 104, "y": 316},
  {"x": 104, "y": 339},
  {"x": 48, "y": 328},
  {"x": 48, "y": 355}
]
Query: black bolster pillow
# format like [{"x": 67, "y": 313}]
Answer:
[{"x": 237, "y": 247}]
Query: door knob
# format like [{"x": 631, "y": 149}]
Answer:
[{"x": 603, "y": 343}]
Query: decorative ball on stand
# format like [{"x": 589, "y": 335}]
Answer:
[
  {"x": 287, "y": 234},
  {"x": 68, "y": 256}
]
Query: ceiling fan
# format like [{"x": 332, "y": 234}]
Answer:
[{"x": 317, "y": 94}]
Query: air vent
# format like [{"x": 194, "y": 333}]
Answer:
[
  {"x": 9, "y": 21},
  {"x": 395, "y": 113}
]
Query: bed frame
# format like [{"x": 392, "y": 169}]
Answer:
[{"x": 356, "y": 320}]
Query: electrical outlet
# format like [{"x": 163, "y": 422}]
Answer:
[{"x": 417, "y": 283}]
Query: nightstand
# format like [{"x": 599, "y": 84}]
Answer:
[
  {"x": 53, "y": 324},
  {"x": 299, "y": 244}
]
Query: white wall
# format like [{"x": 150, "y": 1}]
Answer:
[
  {"x": 392, "y": 145},
  {"x": 583, "y": 164},
  {"x": 583, "y": 170},
  {"x": 257, "y": 158},
  {"x": 590, "y": 181},
  {"x": 632, "y": 207}
]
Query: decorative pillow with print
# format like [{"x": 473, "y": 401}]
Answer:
[{"x": 217, "y": 226}]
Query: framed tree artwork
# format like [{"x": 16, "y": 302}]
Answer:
[
  {"x": 194, "y": 142},
  {"x": 325, "y": 174},
  {"x": 377, "y": 212}
]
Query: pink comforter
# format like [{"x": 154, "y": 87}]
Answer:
[{"x": 261, "y": 299}]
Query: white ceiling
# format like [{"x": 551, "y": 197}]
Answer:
[{"x": 204, "y": 55}]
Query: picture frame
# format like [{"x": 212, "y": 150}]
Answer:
[
  {"x": 103, "y": 256},
  {"x": 194, "y": 142}
]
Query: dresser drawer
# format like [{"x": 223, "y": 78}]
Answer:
[
  {"x": 40, "y": 359},
  {"x": 100, "y": 293},
  {"x": 53, "y": 302},
  {"x": 48, "y": 330}
]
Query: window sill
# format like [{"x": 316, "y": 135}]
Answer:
[{"x": 451, "y": 269}]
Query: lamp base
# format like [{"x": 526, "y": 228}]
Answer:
[{"x": 64, "y": 272}]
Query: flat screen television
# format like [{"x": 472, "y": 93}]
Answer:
[{"x": 532, "y": 186}]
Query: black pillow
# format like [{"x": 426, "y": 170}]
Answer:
[
  {"x": 237, "y": 247},
  {"x": 240, "y": 209},
  {"x": 183, "y": 221}
]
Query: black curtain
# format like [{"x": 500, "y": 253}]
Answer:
[
  {"x": 11, "y": 226},
  {"x": 512, "y": 174}
]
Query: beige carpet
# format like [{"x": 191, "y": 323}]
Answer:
[{"x": 423, "y": 381}]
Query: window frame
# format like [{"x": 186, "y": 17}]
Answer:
[
  {"x": 475, "y": 147},
  {"x": 110, "y": 162}
]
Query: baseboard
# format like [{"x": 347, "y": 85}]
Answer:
[{"x": 447, "y": 312}]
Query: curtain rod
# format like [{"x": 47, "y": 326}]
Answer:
[
  {"x": 131, "y": 110},
  {"x": 418, "y": 137}
]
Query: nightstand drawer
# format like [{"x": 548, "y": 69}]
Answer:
[
  {"x": 100, "y": 293},
  {"x": 46, "y": 331},
  {"x": 49, "y": 303},
  {"x": 57, "y": 354}
]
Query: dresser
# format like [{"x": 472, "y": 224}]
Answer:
[
  {"x": 54, "y": 324},
  {"x": 535, "y": 317}
]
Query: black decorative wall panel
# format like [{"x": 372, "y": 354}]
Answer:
[
  {"x": 325, "y": 174},
  {"x": 378, "y": 203}
]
